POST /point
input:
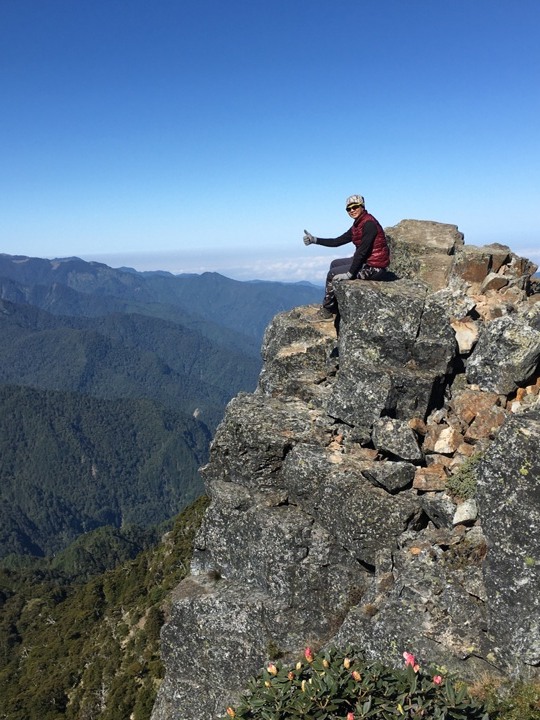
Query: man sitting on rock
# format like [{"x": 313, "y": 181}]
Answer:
[{"x": 371, "y": 257}]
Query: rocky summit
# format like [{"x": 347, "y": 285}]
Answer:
[{"x": 380, "y": 488}]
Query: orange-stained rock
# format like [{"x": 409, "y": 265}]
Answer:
[
  {"x": 430, "y": 478},
  {"x": 486, "y": 423},
  {"x": 467, "y": 404},
  {"x": 418, "y": 425},
  {"x": 466, "y": 449},
  {"x": 436, "y": 459},
  {"x": 472, "y": 264},
  {"x": 494, "y": 282}
]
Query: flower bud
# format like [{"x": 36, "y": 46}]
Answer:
[
  {"x": 267, "y": 683},
  {"x": 325, "y": 663},
  {"x": 346, "y": 663},
  {"x": 230, "y": 712},
  {"x": 299, "y": 665},
  {"x": 437, "y": 679},
  {"x": 308, "y": 655},
  {"x": 272, "y": 669},
  {"x": 411, "y": 660},
  {"x": 304, "y": 686},
  {"x": 356, "y": 675},
  {"x": 290, "y": 675}
]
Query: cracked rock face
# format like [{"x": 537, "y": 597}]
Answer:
[
  {"x": 509, "y": 503},
  {"x": 334, "y": 519}
]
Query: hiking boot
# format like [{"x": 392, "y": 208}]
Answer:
[{"x": 324, "y": 314}]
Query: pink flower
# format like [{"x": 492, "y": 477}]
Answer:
[
  {"x": 350, "y": 716},
  {"x": 437, "y": 679},
  {"x": 308, "y": 655},
  {"x": 411, "y": 660}
]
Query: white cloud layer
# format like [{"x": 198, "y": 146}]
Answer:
[
  {"x": 239, "y": 265},
  {"x": 304, "y": 268}
]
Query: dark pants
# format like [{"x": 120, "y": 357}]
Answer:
[{"x": 343, "y": 265}]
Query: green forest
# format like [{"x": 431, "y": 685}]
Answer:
[
  {"x": 125, "y": 356},
  {"x": 70, "y": 463},
  {"x": 81, "y": 649}
]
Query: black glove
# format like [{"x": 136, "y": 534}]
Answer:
[{"x": 309, "y": 239}]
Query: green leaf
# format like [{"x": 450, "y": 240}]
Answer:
[{"x": 366, "y": 707}]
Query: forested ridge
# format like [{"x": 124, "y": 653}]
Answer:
[
  {"x": 88, "y": 650},
  {"x": 70, "y": 463},
  {"x": 123, "y": 356}
]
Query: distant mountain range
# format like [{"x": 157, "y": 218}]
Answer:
[
  {"x": 112, "y": 382},
  {"x": 74, "y": 287},
  {"x": 126, "y": 355}
]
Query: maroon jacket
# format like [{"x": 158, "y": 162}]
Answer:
[{"x": 369, "y": 239}]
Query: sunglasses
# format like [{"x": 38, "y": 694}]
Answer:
[{"x": 350, "y": 208}]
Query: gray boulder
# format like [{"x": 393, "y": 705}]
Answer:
[
  {"x": 295, "y": 351},
  {"x": 431, "y": 606},
  {"x": 392, "y": 476},
  {"x": 506, "y": 354},
  {"x": 396, "y": 438},
  {"x": 359, "y": 515},
  {"x": 509, "y": 504},
  {"x": 424, "y": 250},
  {"x": 396, "y": 345}
]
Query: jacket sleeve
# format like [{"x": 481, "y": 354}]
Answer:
[
  {"x": 336, "y": 242},
  {"x": 363, "y": 250}
]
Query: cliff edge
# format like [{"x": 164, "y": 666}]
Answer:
[{"x": 380, "y": 489}]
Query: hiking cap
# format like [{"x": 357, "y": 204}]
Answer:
[{"x": 355, "y": 200}]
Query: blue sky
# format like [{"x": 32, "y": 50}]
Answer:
[{"x": 206, "y": 135}]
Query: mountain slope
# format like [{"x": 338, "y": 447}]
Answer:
[
  {"x": 71, "y": 463},
  {"x": 130, "y": 356}
]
